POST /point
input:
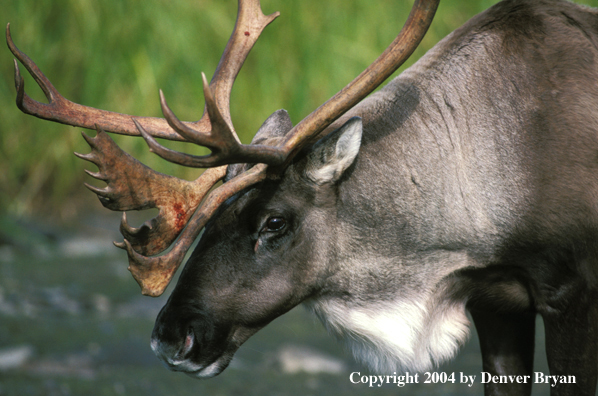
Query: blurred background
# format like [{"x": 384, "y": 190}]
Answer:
[{"x": 71, "y": 319}]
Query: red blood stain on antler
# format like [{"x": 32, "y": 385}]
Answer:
[{"x": 181, "y": 215}]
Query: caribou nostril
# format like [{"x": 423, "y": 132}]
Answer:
[{"x": 189, "y": 341}]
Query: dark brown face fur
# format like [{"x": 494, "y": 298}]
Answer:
[
  {"x": 223, "y": 298},
  {"x": 225, "y": 295}
]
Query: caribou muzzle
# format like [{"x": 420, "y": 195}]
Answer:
[{"x": 192, "y": 343}]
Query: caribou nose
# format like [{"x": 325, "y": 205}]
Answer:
[{"x": 175, "y": 351}]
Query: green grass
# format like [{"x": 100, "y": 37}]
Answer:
[{"x": 115, "y": 55}]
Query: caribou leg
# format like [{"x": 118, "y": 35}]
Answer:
[
  {"x": 572, "y": 344},
  {"x": 507, "y": 343}
]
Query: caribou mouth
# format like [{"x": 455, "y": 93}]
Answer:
[
  {"x": 182, "y": 361},
  {"x": 201, "y": 371},
  {"x": 211, "y": 370},
  {"x": 191, "y": 343}
]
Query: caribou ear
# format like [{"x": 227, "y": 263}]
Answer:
[
  {"x": 334, "y": 153},
  {"x": 275, "y": 127}
]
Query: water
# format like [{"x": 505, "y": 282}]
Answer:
[{"x": 72, "y": 322}]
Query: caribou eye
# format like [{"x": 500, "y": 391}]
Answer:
[{"x": 275, "y": 224}]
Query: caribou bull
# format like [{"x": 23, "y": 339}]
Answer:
[{"x": 468, "y": 183}]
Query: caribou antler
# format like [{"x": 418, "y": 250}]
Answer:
[
  {"x": 221, "y": 141},
  {"x": 250, "y": 23},
  {"x": 135, "y": 188}
]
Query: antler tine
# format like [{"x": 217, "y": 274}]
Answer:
[
  {"x": 222, "y": 140},
  {"x": 388, "y": 62},
  {"x": 250, "y": 23},
  {"x": 220, "y": 136},
  {"x": 64, "y": 111},
  {"x": 49, "y": 91}
]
